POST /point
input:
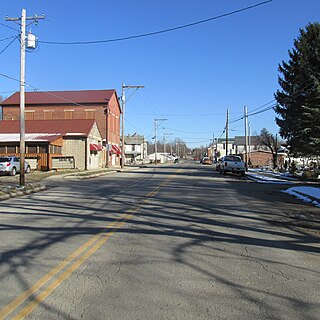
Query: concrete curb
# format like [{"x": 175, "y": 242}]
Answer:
[{"x": 14, "y": 192}]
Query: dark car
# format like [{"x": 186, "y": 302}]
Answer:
[{"x": 11, "y": 165}]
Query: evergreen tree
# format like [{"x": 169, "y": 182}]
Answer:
[{"x": 298, "y": 101}]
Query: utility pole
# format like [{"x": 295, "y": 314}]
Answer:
[
  {"x": 165, "y": 135},
  {"x": 155, "y": 137},
  {"x": 227, "y": 133},
  {"x": 107, "y": 134},
  {"x": 123, "y": 99},
  {"x": 246, "y": 135},
  {"x": 23, "y": 25},
  {"x": 249, "y": 140}
]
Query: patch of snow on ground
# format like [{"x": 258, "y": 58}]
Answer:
[
  {"x": 307, "y": 194},
  {"x": 266, "y": 179}
]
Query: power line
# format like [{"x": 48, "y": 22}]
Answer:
[
  {"x": 160, "y": 31},
  {"x": 8, "y": 38},
  {"x": 182, "y": 115},
  {"x": 39, "y": 90},
  {"x": 7, "y": 46},
  {"x": 305, "y": 89},
  {"x": 4, "y": 25}
]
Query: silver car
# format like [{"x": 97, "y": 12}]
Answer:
[{"x": 11, "y": 165}]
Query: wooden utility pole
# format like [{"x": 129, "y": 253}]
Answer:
[
  {"x": 155, "y": 137},
  {"x": 227, "y": 133},
  {"x": 123, "y": 99},
  {"x": 246, "y": 135},
  {"x": 23, "y": 41},
  {"x": 107, "y": 134}
]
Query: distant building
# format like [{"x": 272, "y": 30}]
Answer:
[
  {"x": 236, "y": 145},
  {"x": 135, "y": 149}
]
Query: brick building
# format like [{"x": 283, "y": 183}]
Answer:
[{"x": 99, "y": 105}]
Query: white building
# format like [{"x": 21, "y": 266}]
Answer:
[{"x": 135, "y": 149}]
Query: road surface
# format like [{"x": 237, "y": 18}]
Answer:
[{"x": 174, "y": 242}]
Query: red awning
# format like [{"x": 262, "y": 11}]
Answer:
[
  {"x": 95, "y": 147},
  {"x": 116, "y": 149}
]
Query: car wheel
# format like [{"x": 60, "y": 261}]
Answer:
[
  {"x": 28, "y": 169},
  {"x": 13, "y": 171}
]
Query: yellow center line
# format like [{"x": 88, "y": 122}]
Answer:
[
  {"x": 47, "y": 291},
  {"x": 96, "y": 242}
]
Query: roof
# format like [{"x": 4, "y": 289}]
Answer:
[
  {"x": 134, "y": 139},
  {"x": 241, "y": 140},
  {"x": 73, "y": 127},
  {"x": 29, "y": 137},
  {"x": 61, "y": 97}
]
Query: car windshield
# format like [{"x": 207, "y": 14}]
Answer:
[{"x": 4, "y": 159}]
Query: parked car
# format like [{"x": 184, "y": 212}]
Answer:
[
  {"x": 11, "y": 165},
  {"x": 206, "y": 160},
  {"x": 232, "y": 164}
]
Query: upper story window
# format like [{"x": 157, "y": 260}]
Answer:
[
  {"x": 90, "y": 114},
  {"x": 68, "y": 114},
  {"x": 29, "y": 115},
  {"x": 48, "y": 114}
]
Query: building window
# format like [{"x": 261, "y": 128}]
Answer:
[
  {"x": 11, "y": 149},
  {"x": 32, "y": 149},
  {"x": 48, "y": 114},
  {"x": 29, "y": 115},
  {"x": 2, "y": 149},
  {"x": 68, "y": 114},
  {"x": 43, "y": 149},
  {"x": 90, "y": 114}
]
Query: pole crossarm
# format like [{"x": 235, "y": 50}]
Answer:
[
  {"x": 34, "y": 18},
  {"x": 132, "y": 87}
]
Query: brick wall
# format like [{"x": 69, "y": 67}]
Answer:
[{"x": 68, "y": 111}]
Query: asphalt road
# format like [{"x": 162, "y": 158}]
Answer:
[{"x": 179, "y": 242}]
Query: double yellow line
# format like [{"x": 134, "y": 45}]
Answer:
[{"x": 76, "y": 259}]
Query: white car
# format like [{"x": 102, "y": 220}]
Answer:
[{"x": 11, "y": 165}]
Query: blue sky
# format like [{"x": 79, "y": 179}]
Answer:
[{"x": 191, "y": 76}]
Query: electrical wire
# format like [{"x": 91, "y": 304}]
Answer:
[
  {"x": 4, "y": 25},
  {"x": 160, "y": 31},
  {"x": 252, "y": 113},
  {"x": 39, "y": 90},
  {"x": 6, "y": 47},
  {"x": 8, "y": 38}
]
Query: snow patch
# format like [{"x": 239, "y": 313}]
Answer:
[{"x": 306, "y": 194}]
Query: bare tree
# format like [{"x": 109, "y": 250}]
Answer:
[{"x": 272, "y": 143}]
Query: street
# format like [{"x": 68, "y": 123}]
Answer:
[{"x": 170, "y": 242}]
